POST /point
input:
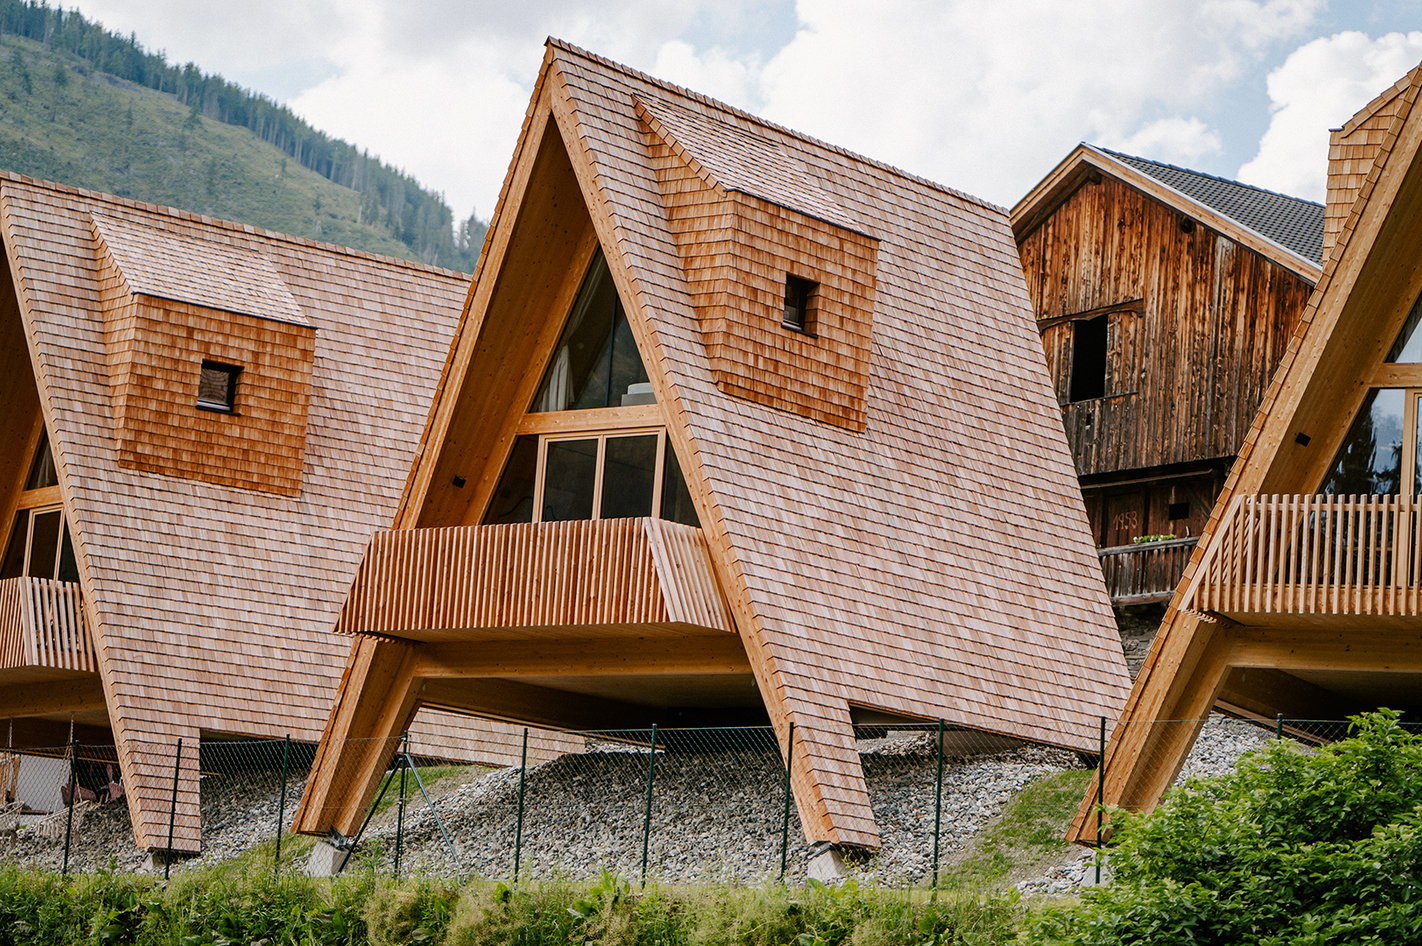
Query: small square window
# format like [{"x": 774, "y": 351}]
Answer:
[
  {"x": 217, "y": 387},
  {"x": 1179, "y": 511},
  {"x": 797, "y": 303}
]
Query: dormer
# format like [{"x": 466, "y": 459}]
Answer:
[
  {"x": 781, "y": 276},
  {"x": 210, "y": 358}
]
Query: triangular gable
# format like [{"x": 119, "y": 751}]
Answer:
[
  {"x": 864, "y": 563},
  {"x": 1086, "y": 161}
]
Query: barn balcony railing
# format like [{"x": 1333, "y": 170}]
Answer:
[
  {"x": 1146, "y": 572},
  {"x": 1314, "y": 555},
  {"x": 42, "y": 624},
  {"x": 425, "y": 584}
]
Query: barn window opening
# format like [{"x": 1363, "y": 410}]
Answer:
[
  {"x": 1179, "y": 511},
  {"x": 596, "y": 362},
  {"x": 798, "y": 293},
  {"x": 1088, "y": 358},
  {"x": 217, "y": 387}
]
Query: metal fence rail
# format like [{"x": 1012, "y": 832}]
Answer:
[{"x": 675, "y": 805}]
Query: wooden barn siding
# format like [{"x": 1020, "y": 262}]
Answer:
[{"x": 1186, "y": 375}]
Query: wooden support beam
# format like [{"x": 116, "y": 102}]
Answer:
[
  {"x": 1353, "y": 649},
  {"x": 377, "y": 699},
  {"x": 53, "y": 696},
  {"x": 536, "y": 705},
  {"x": 723, "y": 653}
]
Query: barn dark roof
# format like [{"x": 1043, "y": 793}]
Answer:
[{"x": 1291, "y": 222}]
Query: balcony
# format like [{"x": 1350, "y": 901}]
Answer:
[
  {"x": 42, "y": 625},
  {"x": 474, "y": 582},
  {"x": 1313, "y": 556},
  {"x": 1146, "y": 572}
]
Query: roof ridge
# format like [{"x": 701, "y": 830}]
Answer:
[
  {"x": 706, "y": 100},
  {"x": 1382, "y": 98},
  {"x": 221, "y": 223},
  {"x": 1205, "y": 174}
]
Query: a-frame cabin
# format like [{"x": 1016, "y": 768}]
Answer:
[
  {"x": 201, "y": 426},
  {"x": 1165, "y": 299},
  {"x": 738, "y": 427},
  {"x": 1304, "y": 596}
]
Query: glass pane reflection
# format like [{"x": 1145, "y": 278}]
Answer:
[
  {"x": 568, "y": 480},
  {"x": 1370, "y": 460}
]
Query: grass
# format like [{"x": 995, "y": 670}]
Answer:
[
  {"x": 429, "y": 775},
  {"x": 1028, "y": 835}
]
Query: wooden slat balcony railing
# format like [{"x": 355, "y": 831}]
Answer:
[
  {"x": 423, "y": 583},
  {"x": 1314, "y": 555},
  {"x": 42, "y": 625},
  {"x": 1146, "y": 572}
]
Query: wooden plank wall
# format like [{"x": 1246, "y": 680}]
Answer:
[{"x": 1198, "y": 326}]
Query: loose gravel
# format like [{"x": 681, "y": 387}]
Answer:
[{"x": 715, "y": 816}]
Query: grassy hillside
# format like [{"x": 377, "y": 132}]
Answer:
[{"x": 62, "y": 120}]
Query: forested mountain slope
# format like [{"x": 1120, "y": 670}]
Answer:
[{"x": 82, "y": 106}]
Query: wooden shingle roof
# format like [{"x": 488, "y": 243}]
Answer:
[
  {"x": 936, "y": 562},
  {"x": 212, "y": 605}
]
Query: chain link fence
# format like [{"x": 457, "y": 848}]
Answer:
[{"x": 673, "y": 805}]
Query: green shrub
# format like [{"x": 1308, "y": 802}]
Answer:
[{"x": 1297, "y": 847}]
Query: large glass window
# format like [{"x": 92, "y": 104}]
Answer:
[
  {"x": 596, "y": 362},
  {"x": 611, "y": 475},
  {"x": 39, "y": 545},
  {"x": 1380, "y": 453},
  {"x": 1407, "y": 349}
]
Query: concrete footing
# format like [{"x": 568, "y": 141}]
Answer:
[
  {"x": 326, "y": 859},
  {"x": 827, "y": 866}
]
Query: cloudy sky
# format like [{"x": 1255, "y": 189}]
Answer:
[{"x": 983, "y": 95}]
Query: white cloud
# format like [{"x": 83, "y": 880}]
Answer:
[
  {"x": 1175, "y": 140},
  {"x": 1320, "y": 86},
  {"x": 988, "y": 96}
]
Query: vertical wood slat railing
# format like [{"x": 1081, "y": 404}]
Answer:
[
  {"x": 1145, "y": 572},
  {"x": 533, "y": 575},
  {"x": 1314, "y": 555},
  {"x": 42, "y": 624}
]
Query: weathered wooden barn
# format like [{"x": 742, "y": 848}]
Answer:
[
  {"x": 1165, "y": 299},
  {"x": 1304, "y": 596},
  {"x": 201, "y": 426},
  {"x": 737, "y": 427}
]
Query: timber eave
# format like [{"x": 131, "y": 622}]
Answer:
[{"x": 1086, "y": 161}]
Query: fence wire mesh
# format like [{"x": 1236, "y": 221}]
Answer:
[{"x": 676, "y": 805}]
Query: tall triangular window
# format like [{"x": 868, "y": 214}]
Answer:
[
  {"x": 615, "y": 465},
  {"x": 39, "y": 545},
  {"x": 596, "y": 362}
]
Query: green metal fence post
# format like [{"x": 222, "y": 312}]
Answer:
[
  {"x": 281, "y": 801},
  {"x": 938, "y": 807},
  {"x": 73, "y": 798},
  {"x": 1279, "y": 726},
  {"x": 785, "y": 822},
  {"x": 173, "y": 809},
  {"x": 518, "y": 831},
  {"x": 1100, "y": 795},
  {"x": 647, "y": 822},
  {"x": 400, "y": 812}
]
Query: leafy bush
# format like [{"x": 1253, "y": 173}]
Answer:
[{"x": 1303, "y": 847}]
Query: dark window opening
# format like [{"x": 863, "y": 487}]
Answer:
[
  {"x": 513, "y": 497},
  {"x": 596, "y": 362},
  {"x": 569, "y": 480},
  {"x": 797, "y": 303},
  {"x": 14, "y": 564},
  {"x": 42, "y": 471},
  {"x": 1088, "y": 358},
  {"x": 676, "y": 497},
  {"x": 1179, "y": 511},
  {"x": 217, "y": 387},
  {"x": 629, "y": 477}
]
